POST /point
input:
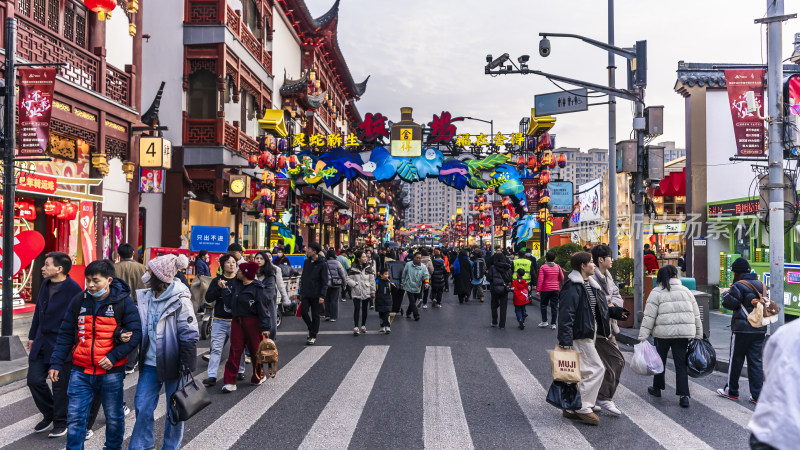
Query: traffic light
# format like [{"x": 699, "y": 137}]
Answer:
[{"x": 637, "y": 67}]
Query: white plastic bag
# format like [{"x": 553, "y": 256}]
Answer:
[{"x": 646, "y": 360}]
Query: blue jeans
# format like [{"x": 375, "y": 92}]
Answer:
[
  {"x": 82, "y": 389},
  {"x": 220, "y": 332},
  {"x": 147, "y": 393},
  {"x": 519, "y": 310}
]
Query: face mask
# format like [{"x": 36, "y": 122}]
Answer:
[
  {"x": 99, "y": 293},
  {"x": 146, "y": 278},
  {"x": 280, "y": 254}
]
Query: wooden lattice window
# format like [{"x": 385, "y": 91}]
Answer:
[
  {"x": 69, "y": 24},
  {"x": 24, "y": 7},
  {"x": 53, "y": 14},
  {"x": 39, "y": 11}
]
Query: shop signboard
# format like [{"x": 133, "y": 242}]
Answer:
[
  {"x": 211, "y": 239},
  {"x": 34, "y": 106},
  {"x": 748, "y": 128},
  {"x": 589, "y": 202},
  {"x": 561, "y": 195},
  {"x": 743, "y": 207},
  {"x": 155, "y": 152}
]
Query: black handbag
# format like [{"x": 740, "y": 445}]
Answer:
[
  {"x": 189, "y": 399},
  {"x": 564, "y": 396}
]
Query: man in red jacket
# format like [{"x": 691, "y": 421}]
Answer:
[{"x": 550, "y": 278}]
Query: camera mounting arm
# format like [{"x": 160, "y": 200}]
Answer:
[{"x": 616, "y": 50}]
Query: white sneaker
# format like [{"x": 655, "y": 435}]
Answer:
[
  {"x": 424, "y": 306},
  {"x": 260, "y": 381},
  {"x": 388, "y": 330},
  {"x": 228, "y": 388},
  {"x": 247, "y": 359},
  {"x": 609, "y": 406},
  {"x": 554, "y": 326},
  {"x": 355, "y": 331},
  {"x": 89, "y": 434},
  {"x": 125, "y": 410},
  {"x": 382, "y": 330},
  {"x": 364, "y": 330},
  {"x": 544, "y": 325}
]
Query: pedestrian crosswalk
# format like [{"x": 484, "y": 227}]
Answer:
[{"x": 445, "y": 422}]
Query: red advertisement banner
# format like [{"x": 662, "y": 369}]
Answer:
[
  {"x": 86, "y": 218},
  {"x": 35, "y": 104},
  {"x": 531, "y": 195},
  {"x": 328, "y": 207},
  {"x": 34, "y": 182},
  {"x": 282, "y": 187},
  {"x": 748, "y": 129}
]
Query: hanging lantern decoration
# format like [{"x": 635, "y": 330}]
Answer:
[
  {"x": 281, "y": 162},
  {"x": 69, "y": 211},
  {"x": 490, "y": 191},
  {"x": 545, "y": 142},
  {"x": 52, "y": 208},
  {"x": 292, "y": 161},
  {"x": 273, "y": 145},
  {"x": 562, "y": 160},
  {"x": 544, "y": 178},
  {"x": 132, "y": 6},
  {"x": 544, "y": 196},
  {"x": 520, "y": 162},
  {"x": 532, "y": 163},
  {"x": 543, "y": 215},
  {"x": 103, "y": 8},
  {"x": 252, "y": 161},
  {"x": 531, "y": 145},
  {"x": 282, "y": 145},
  {"x": 547, "y": 157}
]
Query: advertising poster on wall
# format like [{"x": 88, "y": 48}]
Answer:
[
  {"x": 35, "y": 104},
  {"x": 589, "y": 201},
  {"x": 748, "y": 129},
  {"x": 151, "y": 181}
]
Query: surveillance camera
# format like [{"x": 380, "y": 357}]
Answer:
[
  {"x": 191, "y": 195},
  {"x": 523, "y": 59},
  {"x": 544, "y": 47},
  {"x": 494, "y": 64},
  {"x": 489, "y": 58}
]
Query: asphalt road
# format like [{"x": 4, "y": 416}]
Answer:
[{"x": 448, "y": 381}]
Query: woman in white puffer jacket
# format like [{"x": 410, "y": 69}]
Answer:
[{"x": 673, "y": 318}]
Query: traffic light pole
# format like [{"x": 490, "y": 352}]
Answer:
[
  {"x": 638, "y": 223},
  {"x": 775, "y": 133}
]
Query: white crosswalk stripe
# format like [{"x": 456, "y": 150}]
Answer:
[
  {"x": 225, "y": 431},
  {"x": 335, "y": 426},
  {"x": 445, "y": 425},
  {"x": 655, "y": 423},
  {"x": 549, "y": 426}
]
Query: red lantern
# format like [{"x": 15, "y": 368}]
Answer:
[
  {"x": 521, "y": 161},
  {"x": 532, "y": 163},
  {"x": 562, "y": 160},
  {"x": 101, "y": 7},
  {"x": 52, "y": 208},
  {"x": 69, "y": 211},
  {"x": 292, "y": 161},
  {"x": 281, "y": 162},
  {"x": 544, "y": 178}
]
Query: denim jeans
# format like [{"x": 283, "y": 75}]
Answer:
[
  {"x": 81, "y": 391},
  {"x": 147, "y": 392},
  {"x": 220, "y": 332},
  {"x": 519, "y": 310}
]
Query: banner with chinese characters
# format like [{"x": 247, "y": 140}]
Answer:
[
  {"x": 328, "y": 207},
  {"x": 211, "y": 239},
  {"x": 497, "y": 209},
  {"x": 282, "y": 187},
  {"x": 531, "y": 195},
  {"x": 35, "y": 104},
  {"x": 748, "y": 129}
]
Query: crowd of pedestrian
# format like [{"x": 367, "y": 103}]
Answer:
[{"x": 129, "y": 316}]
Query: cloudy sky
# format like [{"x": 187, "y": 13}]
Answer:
[{"x": 430, "y": 55}]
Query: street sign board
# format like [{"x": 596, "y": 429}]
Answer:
[
  {"x": 561, "y": 197},
  {"x": 211, "y": 239},
  {"x": 155, "y": 152},
  {"x": 561, "y": 102}
]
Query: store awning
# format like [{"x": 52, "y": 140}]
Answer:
[
  {"x": 274, "y": 121},
  {"x": 673, "y": 185}
]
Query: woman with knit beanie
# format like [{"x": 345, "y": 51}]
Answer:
[
  {"x": 249, "y": 302},
  {"x": 169, "y": 346}
]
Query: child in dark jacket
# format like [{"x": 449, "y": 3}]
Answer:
[
  {"x": 438, "y": 281},
  {"x": 383, "y": 300},
  {"x": 521, "y": 290}
]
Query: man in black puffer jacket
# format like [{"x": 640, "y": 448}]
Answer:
[
  {"x": 499, "y": 279},
  {"x": 313, "y": 288},
  {"x": 746, "y": 341}
]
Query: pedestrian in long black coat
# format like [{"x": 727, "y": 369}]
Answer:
[{"x": 462, "y": 277}]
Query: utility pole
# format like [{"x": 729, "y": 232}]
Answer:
[
  {"x": 10, "y": 345},
  {"x": 612, "y": 142},
  {"x": 775, "y": 134}
]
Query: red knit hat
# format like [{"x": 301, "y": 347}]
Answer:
[{"x": 249, "y": 269}]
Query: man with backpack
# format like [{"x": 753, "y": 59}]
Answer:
[
  {"x": 438, "y": 278},
  {"x": 101, "y": 330},
  {"x": 478, "y": 275}
]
